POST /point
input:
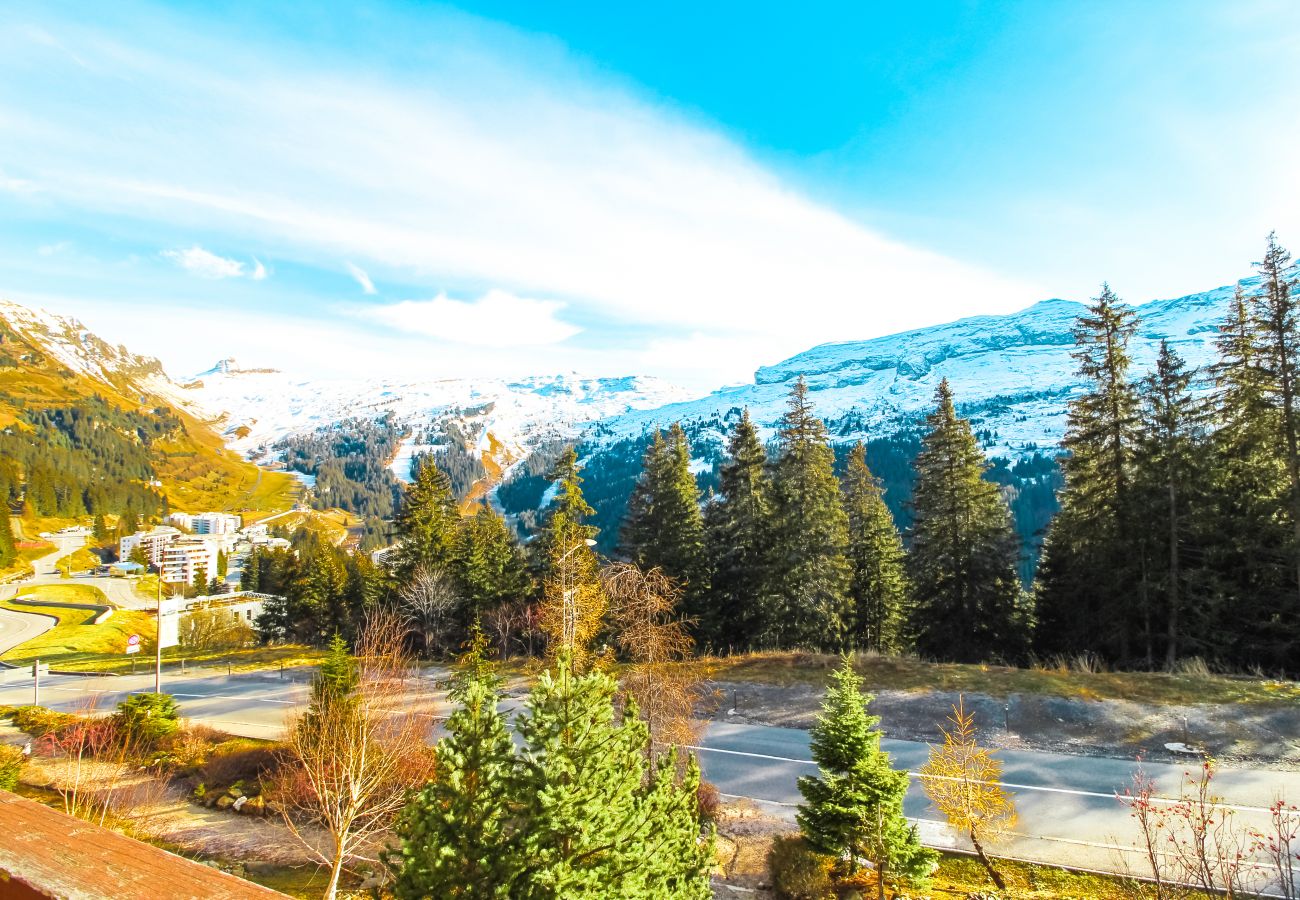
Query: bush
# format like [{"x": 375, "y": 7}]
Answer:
[
  {"x": 798, "y": 871},
  {"x": 12, "y": 761},
  {"x": 39, "y": 721},
  {"x": 240, "y": 763},
  {"x": 147, "y": 718},
  {"x": 709, "y": 801}
]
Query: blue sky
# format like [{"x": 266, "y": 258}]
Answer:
[{"x": 688, "y": 190}]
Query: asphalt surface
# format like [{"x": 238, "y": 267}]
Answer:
[{"x": 1068, "y": 810}]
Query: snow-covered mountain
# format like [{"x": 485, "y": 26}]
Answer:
[
  {"x": 1016, "y": 370},
  {"x": 503, "y": 419}
]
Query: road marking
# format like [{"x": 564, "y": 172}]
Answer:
[{"x": 1006, "y": 784}]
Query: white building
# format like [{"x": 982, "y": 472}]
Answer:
[
  {"x": 216, "y": 523},
  {"x": 151, "y": 542},
  {"x": 256, "y": 534},
  {"x": 184, "y": 561}
]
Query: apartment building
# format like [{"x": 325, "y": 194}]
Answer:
[
  {"x": 151, "y": 542},
  {"x": 207, "y": 523},
  {"x": 189, "y": 560}
]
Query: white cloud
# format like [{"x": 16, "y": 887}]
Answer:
[
  {"x": 358, "y": 273},
  {"x": 259, "y": 272},
  {"x": 497, "y": 319},
  {"x": 498, "y": 173},
  {"x": 55, "y": 248},
  {"x": 204, "y": 263}
]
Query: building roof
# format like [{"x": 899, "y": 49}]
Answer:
[{"x": 47, "y": 853}]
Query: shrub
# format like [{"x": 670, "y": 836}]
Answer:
[
  {"x": 240, "y": 763},
  {"x": 39, "y": 721},
  {"x": 709, "y": 801},
  {"x": 798, "y": 871},
  {"x": 147, "y": 718},
  {"x": 12, "y": 761}
]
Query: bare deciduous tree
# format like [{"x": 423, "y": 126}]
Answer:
[
  {"x": 430, "y": 599},
  {"x": 642, "y": 609},
  {"x": 354, "y": 754},
  {"x": 215, "y": 629}
]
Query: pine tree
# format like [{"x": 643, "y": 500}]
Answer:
[
  {"x": 428, "y": 524},
  {"x": 964, "y": 550},
  {"x": 1245, "y": 544},
  {"x": 460, "y": 836},
  {"x": 601, "y": 820},
  {"x": 1275, "y": 314},
  {"x": 879, "y": 586},
  {"x": 665, "y": 528},
  {"x": 490, "y": 564},
  {"x": 739, "y": 535},
  {"x": 1167, "y": 472},
  {"x": 854, "y": 808},
  {"x": 809, "y": 604},
  {"x": 573, "y": 603},
  {"x": 7, "y": 551},
  {"x": 1089, "y": 573}
]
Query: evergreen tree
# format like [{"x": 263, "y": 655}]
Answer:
[
  {"x": 428, "y": 524},
  {"x": 854, "y": 808},
  {"x": 573, "y": 600},
  {"x": 8, "y": 553},
  {"x": 490, "y": 564},
  {"x": 1167, "y": 472},
  {"x": 1090, "y": 572},
  {"x": 809, "y": 604},
  {"x": 1275, "y": 314},
  {"x": 602, "y": 820},
  {"x": 879, "y": 586},
  {"x": 1245, "y": 561},
  {"x": 739, "y": 526},
  {"x": 665, "y": 528},
  {"x": 460, "y": 836},
  {"x": 964, "y": 550},
  {"x": 100, "y": 529}
]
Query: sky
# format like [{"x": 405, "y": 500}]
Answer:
[{"x": 687, "y": 190}]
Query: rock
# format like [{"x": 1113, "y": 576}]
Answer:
[
  {"x": 239, "y": 803},
  {"x": 255, "y": 806},
  {"x": 225, "y": 801}
]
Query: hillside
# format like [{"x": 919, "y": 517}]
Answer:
[{"x": 101, "y": 427}]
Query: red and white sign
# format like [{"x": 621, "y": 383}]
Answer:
[{"x": 133, "y": 644}]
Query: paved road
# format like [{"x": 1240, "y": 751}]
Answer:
[
  {"x": 119, "y": 591},
  {"x": 1068, "y": 811}
]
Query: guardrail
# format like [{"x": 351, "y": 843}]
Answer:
[{"x": 102, "y": 616}]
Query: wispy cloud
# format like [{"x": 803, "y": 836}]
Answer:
[
  {"x": 497, "y": 319},
  {"x": 359, "y": 274},
  {"x": 55, "y": 248},
  {"x": 207, "y": 264}
]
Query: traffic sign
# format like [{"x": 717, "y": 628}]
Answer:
[{"x": 133, "y": 644}]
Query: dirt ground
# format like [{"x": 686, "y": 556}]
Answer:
[{"x": 1242, "y": 734}]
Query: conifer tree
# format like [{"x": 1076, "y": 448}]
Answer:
[
  {"x": 808, "y": 604},
  {"x": 460, "y": 835},
  {"x": 964, "y": 550},
  {"x": 573, "y": 602},
  {"x": 490, "y": 564},
  {"x": 7, "y": 551},
  {"x": 879, "y": 587},
  {"x": 854, "y": 808},
  {"x": 1166, "y": 471},
  {"x": 739, "y": 528},
  {"x": 664, "y": 527},
  {"x": 1275, "y": 314},
  {"x": 1245, "y": 545},
  {"x": 601, "y": 819},
  {"x": 1089, "y": 573},
  {"x": 427, "y": 526}
]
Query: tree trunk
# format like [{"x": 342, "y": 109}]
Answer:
[
  {"x": 336, "y": 870},
  {"x": 1171, "y": 649},
  {"x": 987, "y": 863}
]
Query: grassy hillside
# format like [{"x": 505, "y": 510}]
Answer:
[{"x": 70, "y": 401}]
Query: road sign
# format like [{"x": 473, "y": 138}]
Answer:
[{"x": 133, "y": 644}]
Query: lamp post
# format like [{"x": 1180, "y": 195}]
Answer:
[{"x": 157, "y": 644}]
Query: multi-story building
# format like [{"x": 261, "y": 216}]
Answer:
[
  {"x": 189, "y": 560},
  {"x": 151, "y": 542},
  {"x": 215, "y": 523}
]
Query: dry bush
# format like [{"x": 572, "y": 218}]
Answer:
[
  {"x": 215, "y": 629},
  {"x": 798, "y": 871},
  {"x": 247, "y": 764},
  {"x": 642, "y": 609},
  {"x": 430, "y": 601},
  {"x": 352, "y": 758}
]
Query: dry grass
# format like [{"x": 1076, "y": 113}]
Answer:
[
  {"x": 1062, "y": 680},
  {"x": 74, "y": 639}
]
